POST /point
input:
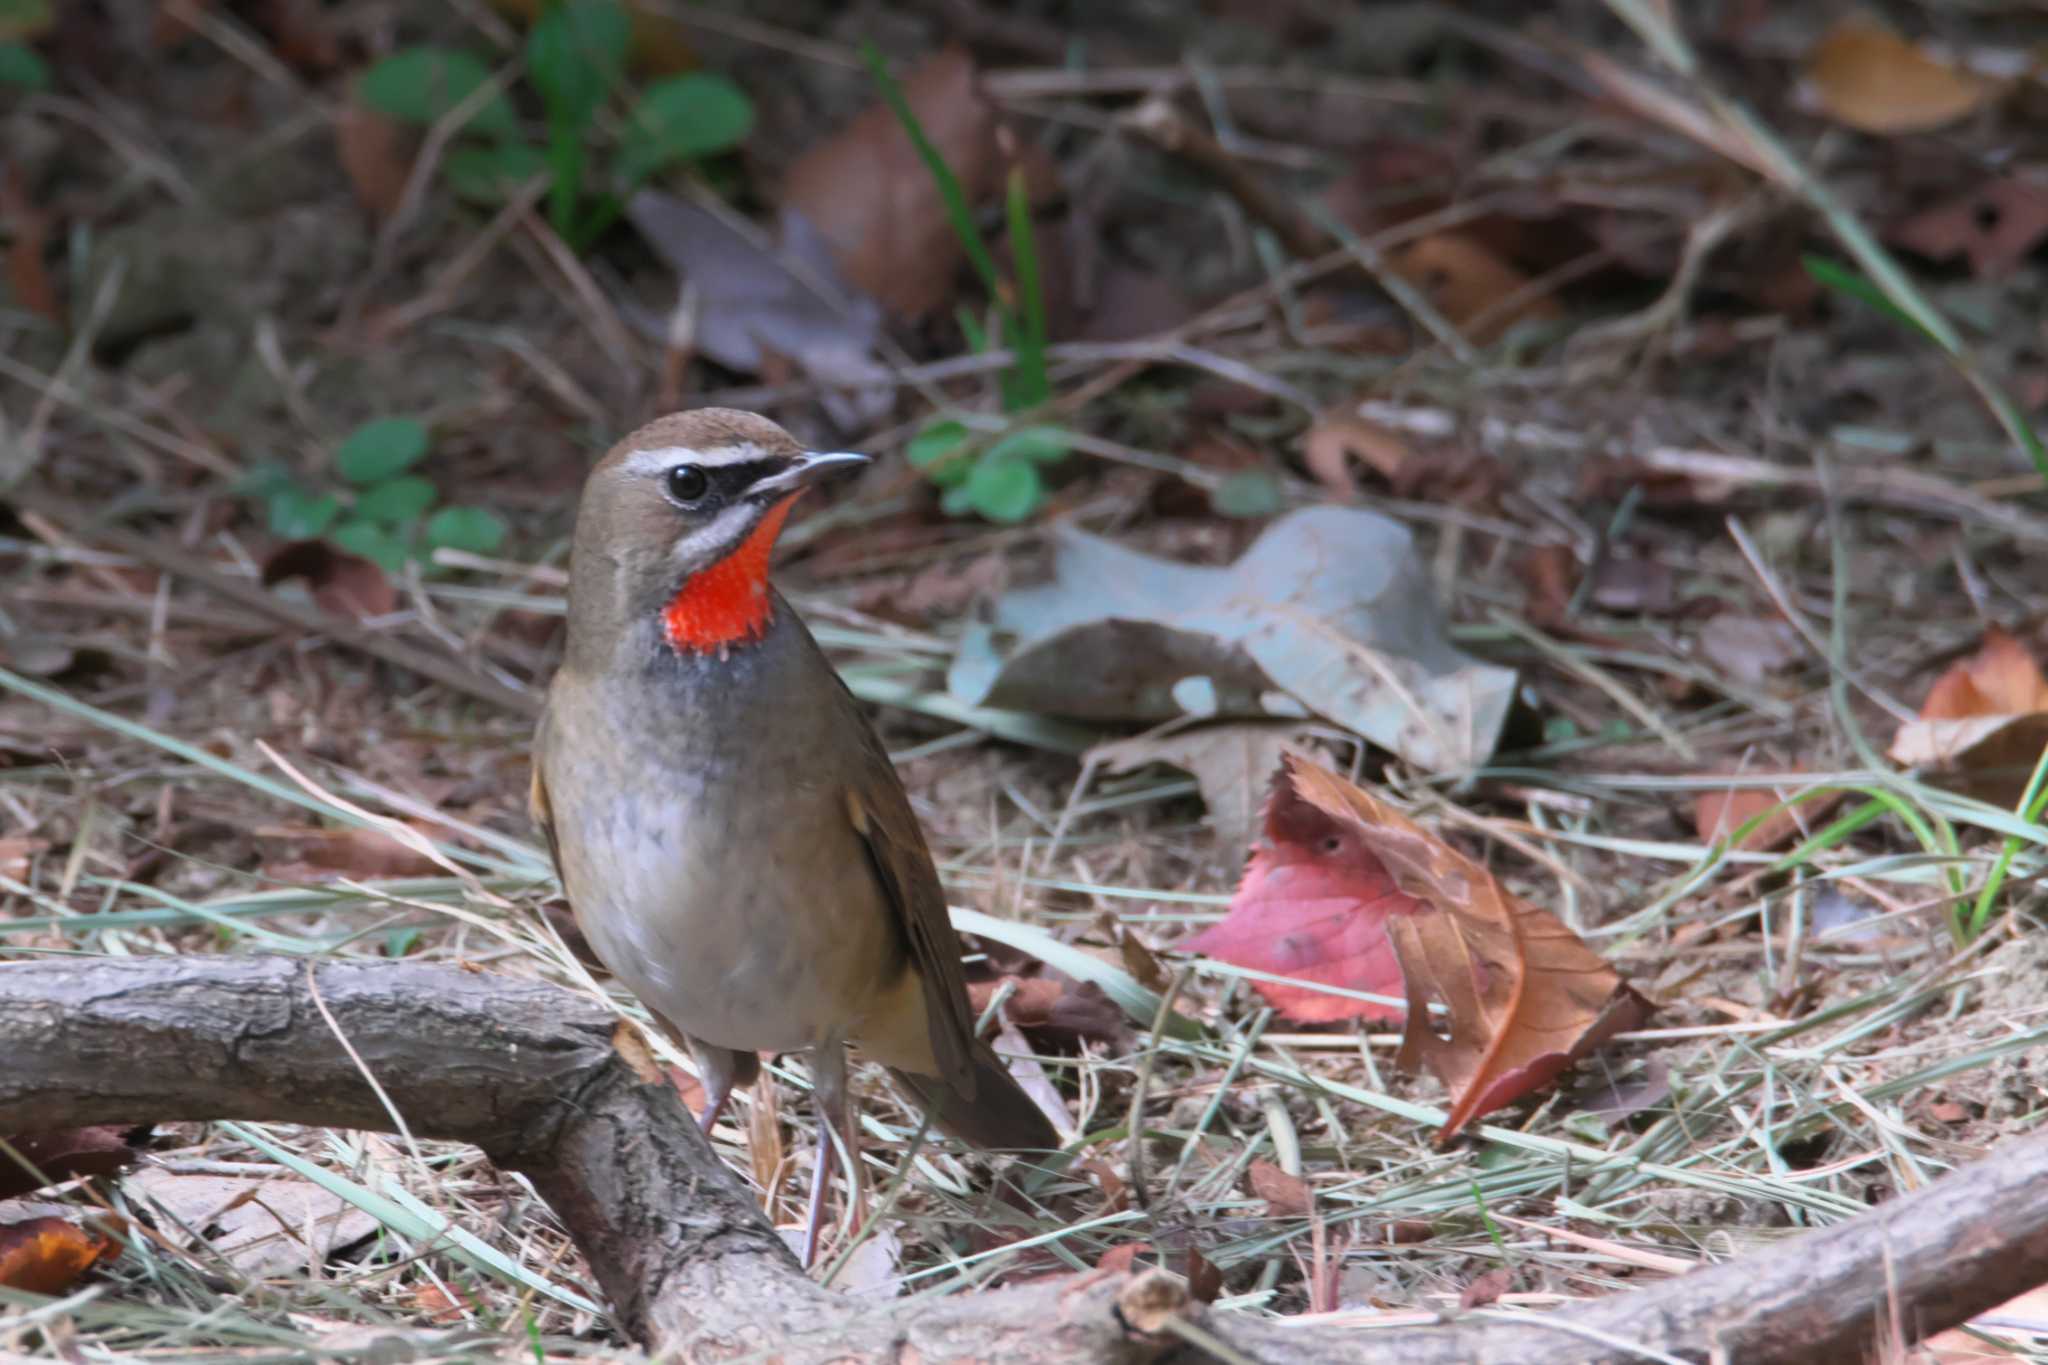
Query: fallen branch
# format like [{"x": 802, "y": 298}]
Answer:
[{"x": 548, "y": 1084}]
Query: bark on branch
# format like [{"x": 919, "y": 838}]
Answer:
[{"x": 541, "y": 1080}]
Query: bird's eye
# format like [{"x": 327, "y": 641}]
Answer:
[{"x": 687, "y": 483}]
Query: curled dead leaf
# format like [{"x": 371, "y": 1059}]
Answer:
[
  {"x": 48, "y": 1255},
  {"x": 1349, "y": 891},
  {"x": 376, "y": 152},
  {"x": 1487, "y": 1288},
  {"x": 1873, "y": 80},
  {"x": 1985, "y": 720},
  {"x": 352, "y": 852},
  {"x": 1055, "y": 1009}
]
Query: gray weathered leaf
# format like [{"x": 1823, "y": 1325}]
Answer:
[
  {"x": 1233, "y": 764},
  {"x": 1331, "y": 607}
]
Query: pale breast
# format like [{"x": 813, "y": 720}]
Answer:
[{"x": 707, "y": 853}]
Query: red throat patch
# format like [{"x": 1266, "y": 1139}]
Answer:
[{"x": 728, "y": 603}]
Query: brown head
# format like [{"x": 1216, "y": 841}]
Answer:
[{"x": 675, "y": 528}]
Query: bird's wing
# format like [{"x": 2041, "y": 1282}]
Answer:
[
  {"x": 537, "y": 803},
  {"x": 881, "y": 814}
]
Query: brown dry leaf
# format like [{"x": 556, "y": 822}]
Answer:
[
  {"x": 1525, "y": 997},
  {"x": 867, "y": 191},
  {"x": 345, "y": 584},
  {"x": 377, "y": 154},
  {"x": 1286, "y": 1196},
  {"x": 1716, "y": 815},
  {"x": 17, "y": 851},
  {"x": 1995, "y": 225},
  {"x": 1204, "y": 1277},
  {"x": 1875, "y": 81},
  {"x": 437, "y": 1304},
  {"x": 69, "y": 1153},
  {"x": 1465, "y": 280},
  {"x": 28, "y": 229},
  {"x": 1118, "y": 1260},
  {"x": 1339, "y": 437},
  {"x": 48, "y": 1255},
  {"x": 1986, "y": 718},
  {"x": 1056, "y": 1009},
  {"x": 363, "y": 854}
]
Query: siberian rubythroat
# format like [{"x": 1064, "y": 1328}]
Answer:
[{"x": 734, "y": 842}]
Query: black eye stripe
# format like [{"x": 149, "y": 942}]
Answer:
[{"x": 721, "y": 484}]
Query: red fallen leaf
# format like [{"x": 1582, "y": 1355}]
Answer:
[
  {"x": 345, "y": 584},
  {"x": 1486, "y": 1288},
  {"x": 1313, "y": 905},
  {"x": 68, "y": 1153},
  {"x": 48, "y": 1255},
  {"x": 1523, "y": 997},
  {"x": 2000, "y": 679},
  {"x": 1286, "y": 1196}
]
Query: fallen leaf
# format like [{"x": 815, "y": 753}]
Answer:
[
  {"x": 1330, "y": 612},
  {"x": 302, "y": 34},
  {"x": 1873, "y": 80},
  {"x": 1985, "y": 720},
  {"x": 69, "y": 1153},
  {"x": 1948, "y": 1111},
  {"x": 438, "y": 1304},
  {"x": 1995, "y": 226},
  {"x": 1313, "y": 905},
  {"x": 1286, "y": 1196},
  {"x": 376, "y": 152},
  {"x": 874, "y": 200},
  {"x": 362, "y": 854},
  {"x": 1487, "y": 1288},
  {"x": 28, "y": 227},
  {"x": 1337, "y": 438},
  {"x": 2001, "y": 679},
  {"x": 263, "y": 1227},
  {"x": 752, "y": 303},
  {"x": 48, "y": 1255},
  {"x": 1718, "y": 814},
  {"x": 1232, "y": 764},
  {"x": 1523, "y": 997},
  {"x": 1467, "y": 283},
  {"x": 345, "y": 584},
  {"x": 1057, "y": 1009},
  {"x": 872, "y": 1271},
  {"x": 1616, "y": 1100}
]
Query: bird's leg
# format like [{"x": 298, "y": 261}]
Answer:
[
  {"x": 719, "y": 1069},
  {"x": 835, "y": 1133}
]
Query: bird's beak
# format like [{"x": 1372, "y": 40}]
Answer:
[{"x": 807, "y": 469}]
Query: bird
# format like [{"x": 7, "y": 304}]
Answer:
[{"x": 733, "y": 841}]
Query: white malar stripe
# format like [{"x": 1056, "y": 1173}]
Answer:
[
  {"x": 664, "y": 458},
  {"x": 710, "y": 543}
]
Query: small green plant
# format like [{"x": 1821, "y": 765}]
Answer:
[
  {"x": 385, "y": 513},
  {"x": 996, "y": 477},
  {"x": 575, "y": 63},
  {"x": 21, "y": 67}
]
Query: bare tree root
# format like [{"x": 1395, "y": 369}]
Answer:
[{"x": 550, "y": 1085}]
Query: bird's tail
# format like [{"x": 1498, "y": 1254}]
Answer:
[{"x": 1000, "y": 1117}]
